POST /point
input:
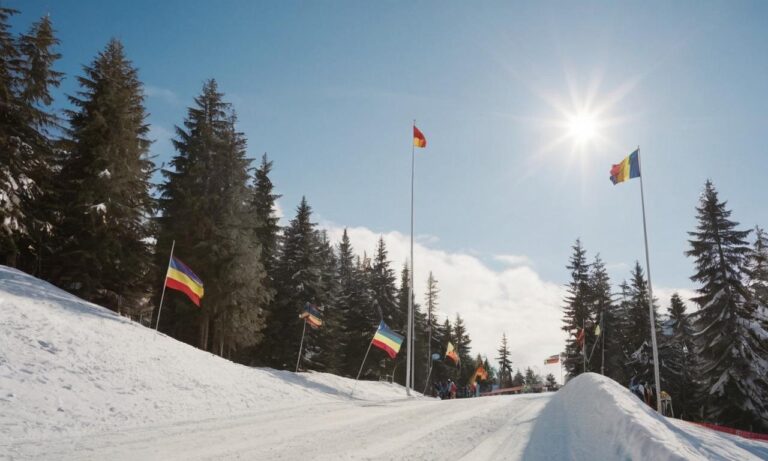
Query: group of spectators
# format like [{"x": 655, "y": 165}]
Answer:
[{"x": 449, "y": 390}]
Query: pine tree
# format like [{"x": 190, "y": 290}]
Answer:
[
  {"x": 298, "y": 279},
  {"x": 518, "y": 380},
  {"x": 531, "y": 378},
  {"x": 730, "y": 340},
  {"x": 677, "y": 361},
  {"x": 602, "y": 306},
  {"x": 505, "y": 364},
  {"x": 757, "y": 268},
  {"x": 204, "y": 209},
  {"x": 102, "y": 250},
  {"x": 463, "y": 348},
  {"x": 577, "y": 312},
  {"x": 361, "y": 317},
  {"x": 26, "y": 172},
  {"x": 265, "y": 216},
  {"x": 637, "y": 337},
  {"x": 322, "y": 345},
  {"x": 551, "y": 382}
]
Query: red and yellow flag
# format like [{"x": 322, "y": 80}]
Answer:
[
  {"x": 418, "y": 138},
  {"x": 451, "y": 353}
]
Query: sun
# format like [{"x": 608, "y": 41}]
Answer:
[{"x": 583, "y": 127}]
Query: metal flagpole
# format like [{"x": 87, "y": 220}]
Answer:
[
  {"x": 162, "y": 296},
  {"x": 408, "y": 364},
  {"x": 650, "y": 291},
  {"x": 361, "y": 365},
  {"x": 584, "y": 342},
  {"x": 602, "y": 334},
  {"x": 301, "y": 344}
]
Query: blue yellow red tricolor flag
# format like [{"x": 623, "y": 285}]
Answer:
[
  {"x": 418, "y": 138},
  {"x": 626, "y": 169},
  {"x": 181, "y": 278},
  {"x": 312, "y": 315},
  {"x": 387, "y": 340}
]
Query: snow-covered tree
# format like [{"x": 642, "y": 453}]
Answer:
[
  {"x": 637, "y": 335},
  {"x": 677, "y": 359},
  {"x": 730, "y": 341},
  {"x": 577, "y": 311}
]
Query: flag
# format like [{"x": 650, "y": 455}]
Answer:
[
  {"x": 597, "y": 330},
  {"x": 181, "y": 278},
  {"x": 312, "y": 315},
  {"x": 552, "y": 359},
  {"x": 580, "y": 337},
  {"x": 451, "y": 353},
  {"x": 418, "y": 138},
  {"x": 480, "y": 373},
  {"x": 626, "y": 169},
  {"x": 387, "y": 340}
]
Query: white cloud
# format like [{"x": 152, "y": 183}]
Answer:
[
  {"x": 514, "y": 300},
  {"x": 163, "y": 94},
  {"x": 514, "y": 260},
  {"x": 662, "y": 294}
]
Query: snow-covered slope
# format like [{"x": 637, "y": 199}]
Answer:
[
  {"x": 79, "y": 382},
  {"x": 68, "y": 366},
  {"x": 593, "y": 417}
]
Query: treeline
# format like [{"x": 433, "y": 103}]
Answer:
[
  {"x": 714, "y": 361},
  {"x": 79, "y": 210}
]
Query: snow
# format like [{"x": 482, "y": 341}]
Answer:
[{"x": 80, "y": 382}]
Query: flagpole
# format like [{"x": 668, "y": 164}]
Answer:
[
  {"x": 301, "y": 344},
  {"x": 650, "y": 291},
  {"x": 408, "y": 364},
  {"x": 584, "y": 342},
  {"x": 602, "y": 338},
  {"x": 162, "y": 296},
  {"x": 361, "y": 365}
]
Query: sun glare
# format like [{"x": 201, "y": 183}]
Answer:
[{"x": 582, "y": 127}]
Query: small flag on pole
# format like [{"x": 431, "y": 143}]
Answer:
[
  {"x": 181, "y": 278},
  {"x": 552, "y": 359},
  {"x": 481, "y": 373},
  {"x": 311, "y": 315},
  {"x": 580, "y": 338},
  {"x": 418, "y": 138},
  {"x": 450, "y": 352},
  {"x": 387, "y": 340},
  {"x": 626, "y": 169}
]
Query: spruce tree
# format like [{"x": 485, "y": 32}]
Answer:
[
  {"x": 265, "y": 216},
  {"x": 730, "y": 341},
  {"x": 637, "y": 336},
  {"x": 27, "y": 169},
  {"x": 518, "y": 380},
  {"x": 531, "y": 378},
  {"x": 602, "y": 306},
  {"x": 577, "y": 312},
  {"x": 757, "y": 268},
  {"x": 677, "y": 360},
  {"x": 505, "y": 363},
  {"x": 551, "y": 382},
  {"x": 102, "y": 250},
  {"x": 205, "y": 210},
  {"x": 362, "y": 318},
  {"x": 464, "y": 349}
]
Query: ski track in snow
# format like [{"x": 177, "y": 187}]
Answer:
[{"x": 79, "y": 382}]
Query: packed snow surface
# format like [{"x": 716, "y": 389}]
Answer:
[{"x": 80, "y": 382}]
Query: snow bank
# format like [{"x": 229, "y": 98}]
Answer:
[
  {"x": 594, "y": 417},
  {"x": 70, "y": 367}
]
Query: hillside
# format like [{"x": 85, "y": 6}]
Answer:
[{"x": 79, "y": 382}]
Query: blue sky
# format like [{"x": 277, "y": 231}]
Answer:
[{"x": 329, "y": 90}]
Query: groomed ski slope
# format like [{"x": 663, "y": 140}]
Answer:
[{"x": 79, "y": 382}]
